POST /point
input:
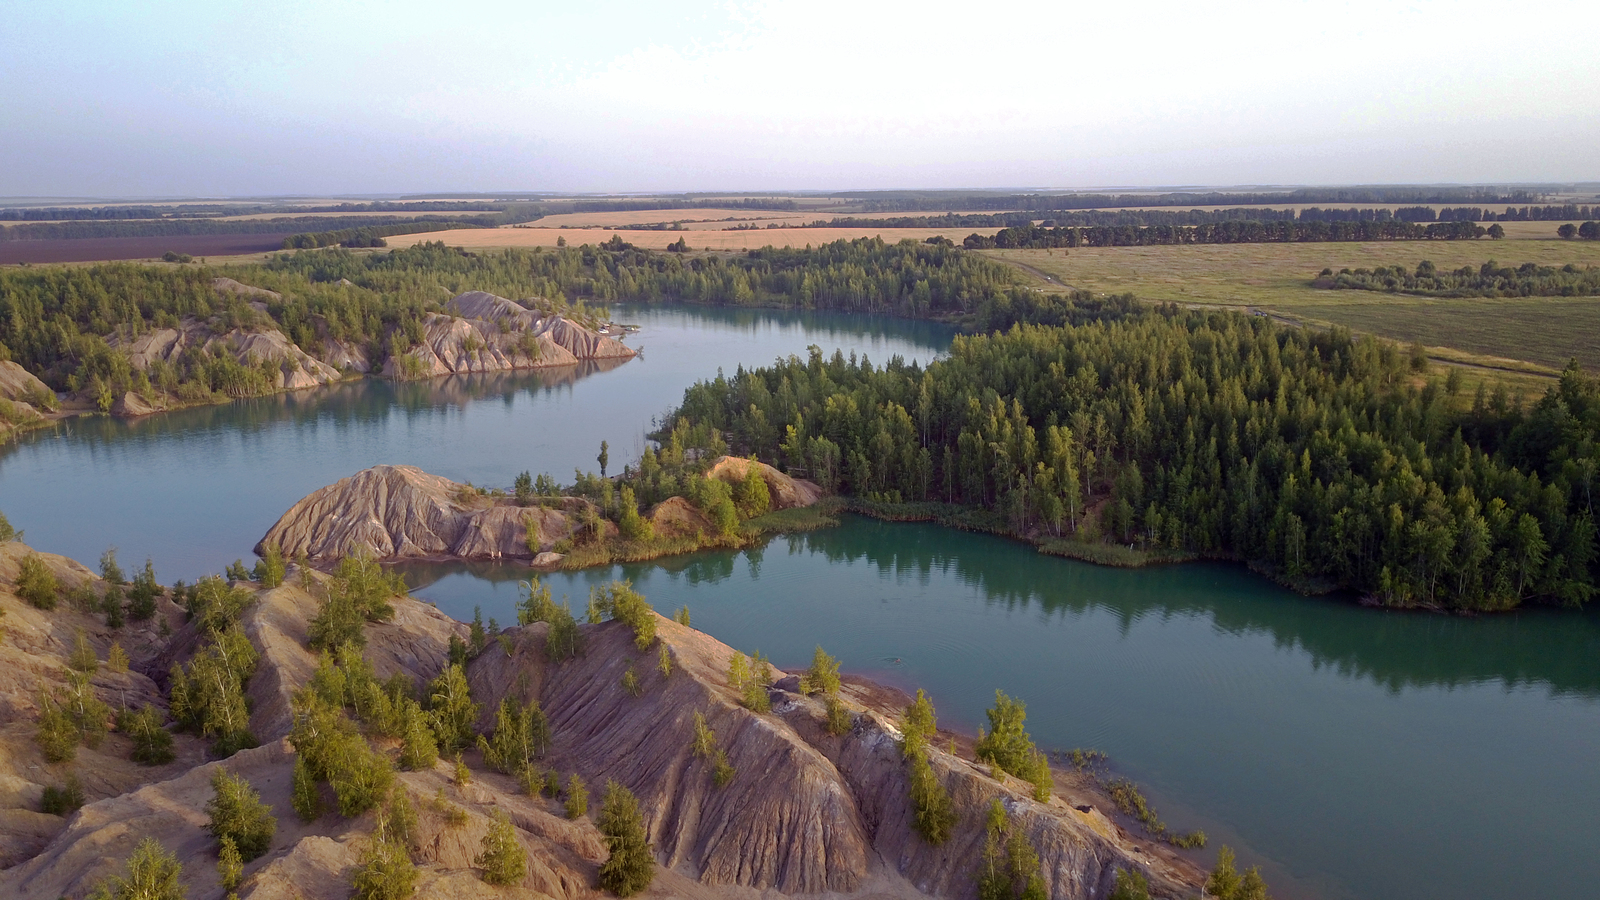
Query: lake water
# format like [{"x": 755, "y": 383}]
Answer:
[{"x": 1353, "y": 753}]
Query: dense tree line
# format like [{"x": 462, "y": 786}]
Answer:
[
  {"x": 1033, "y": 237},
  {"x": 1519, "y": 214},
  {"x": 371, "y": 235},
  {"x": 51, "y": 231},
  {"x": 917, "y": 201},
  {"x": 1315, "y": 456},
  {"x": 1487, "y": 280},
  {"x": 593, "y": 206},
  {"x": 216, "y": 211}
]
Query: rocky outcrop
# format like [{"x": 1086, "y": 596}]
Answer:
[
  {"x": 19, "y": 385},
  {"x": 402, "y": 512},
  {"x": 785, "y": 492},
  {"x": 485, "y": 333},
  {"x": 290, "y": 367}
]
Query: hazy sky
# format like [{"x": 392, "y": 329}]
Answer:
[{"x": 284, "y": 97}]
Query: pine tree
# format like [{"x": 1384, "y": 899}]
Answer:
[
  {"x": 577, "y": 797},
  {"x": 631, "y": 865},
  {"x": 230, "y": 865},
  {"x": 238, "y": 814},
  {"x": 503, "y": 860},
  {"x": 823, "y": 676}
]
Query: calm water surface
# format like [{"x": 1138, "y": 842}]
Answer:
[{"x": 1352, "y": 753}]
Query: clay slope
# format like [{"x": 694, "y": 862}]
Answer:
[
  {"x": 485, "y": 333},
  {"x": 786, "y": 492},
  {"x": 402, "y": 512},
  {"x": 806, "y": 812},
  {"x": 34, "y": 645},
  {"x": 20, "y": 396},
  {"x": 292, "y": 368}
]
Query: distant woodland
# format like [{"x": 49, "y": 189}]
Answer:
[
  {"x": 1037, "y": 237},
  {"x": 1488, "y": 280}
]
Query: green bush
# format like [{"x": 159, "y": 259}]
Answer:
[
  {"x": 451, "y": 710},
  {"x": 631, "y": 866},
  {"x": 153, "y": 874},
  {"x": 823, "y": 676},
  {"x": 208, "y": 697},
  {"x": 503, "y": 860},
  {"x": 59, "y": 800},
  {"x": 152, "y": 744},
  {"x": 1225, "y": 883},
  {"x": 238, "y": 814},
  {"x": 36, "y": 583},
  {"x": 56, "y": 736},
  {"x": 142, "y": 596},
  {"x": 1008, "y": 746},
  {"x": 1010, "y": 866},
  {"x": 933, "y": 812},
  {"x": 621, "y": 602},
  {"x": 230, "y": 865},
  {"x": 521, "y": 735},
  {"x": 7, "y": 533},
  {"x": 1130, "y": 885},
  {"x": 83, "y": 658},
  {"x": 577, "y": 797},
  {"x": 384, "y": 871},
  {"x": 305, "y": 797},
  {"x": 271, "y": 567}
]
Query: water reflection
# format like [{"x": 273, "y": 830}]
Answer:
[{"x": 1553, "y": 649}]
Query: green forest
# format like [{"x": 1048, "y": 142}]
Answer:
[
  {"x": 1324, "y": 460},
  {"x": 1038, "y": 237},
  {"x": 1488, "y": 280},
  {"x": 56, "y": 321}
]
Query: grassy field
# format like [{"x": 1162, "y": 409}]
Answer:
[{"x": 1276, "y": 279}]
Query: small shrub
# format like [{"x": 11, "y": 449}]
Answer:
[
  {"x": 237, "y": 813},
  {"x": 384, "y": 871},
  {"x": 682, "y": 617},
  {"x": 1130, "y": 885},
  {"x": 142, "y": 596},
  {"x": 630, "y": 682},
  {"x": 577, "y": 797},
  {"x": 463, "y": 775},
  {"x": 271, "y": 568},
  {"x": 36, "y": 583},
  {"x": 7, "y": 533},
  {"x": 110, "y": 572},
  {"x": 153, "y": 874},
  {"x": 152, "y": 744},
  {"x": 823, "y": 676},
  {"x": 230, "y": 865},
  {"x": 56, "y": 736},
  {"x": 60, "y": 800},
  {"x": 503, "y": 859},
  {"x": 839, "y": 720},
  {"x": 664, "y": 663},
  {"x": 117, "y": 659},
  {"x": 83, "y": 658}
]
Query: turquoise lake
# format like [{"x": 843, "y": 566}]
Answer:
[{"x": 1352, "y": 753}]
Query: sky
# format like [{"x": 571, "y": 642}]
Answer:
[{"x": 191, "y": 99}]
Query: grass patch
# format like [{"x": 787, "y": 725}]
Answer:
[
  {"x": 1116, "y": 555},
  {"x": 1276, "y": 279},
  {"x": 824, "y": 514}
]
